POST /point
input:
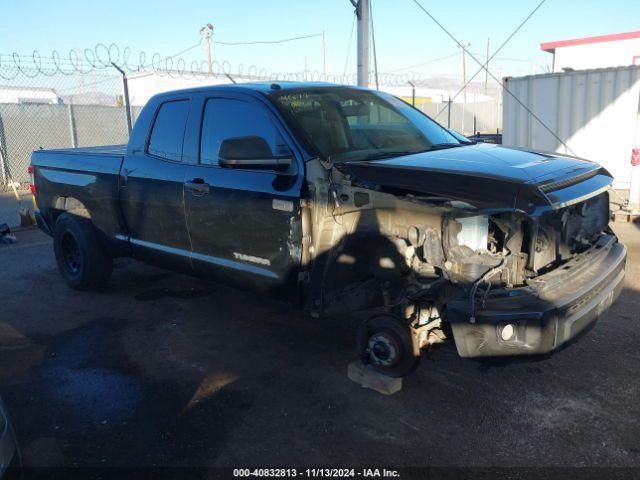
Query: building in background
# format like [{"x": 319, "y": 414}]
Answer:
[
  {"x": 589, "y": 106},
  {"x": 144, "y": 85},
  {"x": 616, "y": 50},
  {"x": 593, "y": 114},
  {"x": 12, "y": 94}
]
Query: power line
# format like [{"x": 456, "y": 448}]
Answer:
[
  {"x": 270, "y": 42},
  {"x": 433, "y": 60},
  {"x": 182, "y": 52},
  {"x": 346, "y": 62},
  {"x": 484, "y": 66}
]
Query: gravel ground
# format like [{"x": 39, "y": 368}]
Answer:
[{"x": 167, "y": 370}]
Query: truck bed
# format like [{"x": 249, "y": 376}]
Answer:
[{"x": 81, "y": 179}]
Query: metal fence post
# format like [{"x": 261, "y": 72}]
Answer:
[
  {"x": 4, "y": 168},
  {"x": 72, "y": 125},
  {"x": 413, "y": 93},
  {"x": 449, "y": 113},
  {"x": 125, "y": 89}
]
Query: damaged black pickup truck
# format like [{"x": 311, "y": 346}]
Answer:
[{"x": 349, "y": 203}]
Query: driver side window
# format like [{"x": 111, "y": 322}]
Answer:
[{"x": 230, "y": 119}]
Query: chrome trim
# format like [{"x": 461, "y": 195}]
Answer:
[
  {"x": 222, "y": 262},
  {"x": 573, "y": 201}
]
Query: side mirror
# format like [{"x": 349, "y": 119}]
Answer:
[{"x": 251, "y": 153}]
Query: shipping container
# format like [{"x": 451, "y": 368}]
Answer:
[{"x": 595, "y": 113}]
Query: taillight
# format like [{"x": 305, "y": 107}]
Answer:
[
  {"x": 32, "y": 186},
  {"x": 635, "y": 157}
]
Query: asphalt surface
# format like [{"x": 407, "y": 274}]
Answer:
[{"x": 166, "y": 370}]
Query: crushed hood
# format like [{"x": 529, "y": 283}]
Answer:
[{"x": 489, "y": 177}]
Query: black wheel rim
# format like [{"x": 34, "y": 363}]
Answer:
[{"x": 71, "y": 253}]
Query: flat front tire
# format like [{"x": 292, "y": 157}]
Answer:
[{"x": 83, "y": 262}]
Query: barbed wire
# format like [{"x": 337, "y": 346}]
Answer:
[{"x": 101, "y": 57}]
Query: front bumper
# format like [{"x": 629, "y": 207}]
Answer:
[{"x": 551, "y": 310}]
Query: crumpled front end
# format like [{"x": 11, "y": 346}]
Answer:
[
  {"x": 518, "y": 275},
  {"x": 541, "y": 281},
  {"x": 547, "y": 312}
]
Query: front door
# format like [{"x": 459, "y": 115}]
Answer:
[{"x": 244, "y": 224}]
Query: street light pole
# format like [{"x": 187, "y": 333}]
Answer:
[{"x": 206, "y": 33}]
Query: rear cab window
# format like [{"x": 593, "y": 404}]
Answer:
[{"x": 167, "y": 133}]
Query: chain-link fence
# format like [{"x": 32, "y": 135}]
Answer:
[
  {"x": 56, "y": 111},
  {"x": 484, "y": 116}
]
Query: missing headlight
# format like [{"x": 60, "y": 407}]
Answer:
[{"x": 474, "y": 232}]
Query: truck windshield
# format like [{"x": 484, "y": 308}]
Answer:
[{"x": 347, "y": 124}]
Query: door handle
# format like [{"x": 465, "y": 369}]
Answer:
[{"x": 197, "y": 186}]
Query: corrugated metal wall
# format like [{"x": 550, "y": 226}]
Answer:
[{"x": 594, "y": 112}]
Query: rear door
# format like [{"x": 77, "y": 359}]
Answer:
[
  {"x": 152, "y": 180},
  {"x": 244, "y": 224}
]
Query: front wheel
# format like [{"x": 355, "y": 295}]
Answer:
[
  {"x": 386, "y": 343},
  {"x": 82, "y": 261}
]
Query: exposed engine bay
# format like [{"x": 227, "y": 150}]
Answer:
[{"x": 388, "y": 253}]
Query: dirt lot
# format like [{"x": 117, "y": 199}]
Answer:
[{"x": 163, "y": 369}]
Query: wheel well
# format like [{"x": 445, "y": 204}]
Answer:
[{"x": 68, "y": 204}]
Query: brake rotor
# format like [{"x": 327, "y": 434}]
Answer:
[{"x": 384, "y": 349}]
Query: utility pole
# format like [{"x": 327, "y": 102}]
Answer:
[
  {"x": 464, "y": 71},
  {"x": 362, "y": 14},
  {"x": 486, "y": 71},
  {"x": 324, "y": 57},
  {"x": 206, "y": 33}
]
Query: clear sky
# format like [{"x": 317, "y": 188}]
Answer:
[{"x": 404, "y": 35}]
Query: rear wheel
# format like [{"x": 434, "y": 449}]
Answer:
[
  {"x": 82, "y": 261},
  {"x": 386, "y": 343}
]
